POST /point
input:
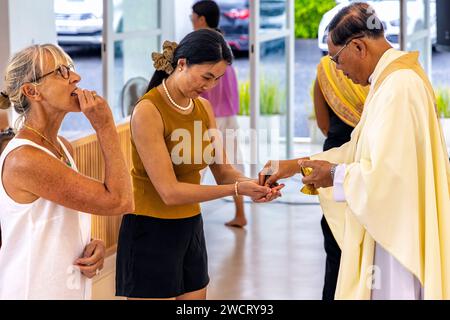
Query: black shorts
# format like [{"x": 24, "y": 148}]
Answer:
[{"x": 160, "y": 258}]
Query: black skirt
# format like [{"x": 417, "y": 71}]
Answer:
[{"x": 160, "y": 258}]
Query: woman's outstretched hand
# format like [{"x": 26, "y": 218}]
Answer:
[
  {"x": 259, "y": 193},
  {"x": 274, "y": 194}
]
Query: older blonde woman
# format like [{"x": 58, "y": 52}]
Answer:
[{"x": 46, "y": 237}]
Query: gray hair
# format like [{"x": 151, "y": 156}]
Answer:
[
  {"x": 24, "y": 67},
  {"x": 356, "y": 19}
]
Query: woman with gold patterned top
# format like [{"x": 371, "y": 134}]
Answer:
[
  {"x": 338, "y": 104},
  {"x": 161, "y": 250}
]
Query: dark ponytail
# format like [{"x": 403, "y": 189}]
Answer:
[
  {"x": 157, "y": 79},
  {"x": 203, "y": 46}
]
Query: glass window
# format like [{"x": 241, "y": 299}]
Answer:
[
  {"x": 418, "y": 35},
  {"x": 136, "y": 34},
  {"x": 273, "y": 14},
  {"x": 273, "y": 98},
  {"x": 136, "y": 15},
  {"x": 79, "y": 27}
]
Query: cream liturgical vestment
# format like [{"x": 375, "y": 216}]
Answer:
[{"x": 396, "y": 184}]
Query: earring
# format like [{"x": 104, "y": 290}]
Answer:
[{"x": 180, "y": 69}]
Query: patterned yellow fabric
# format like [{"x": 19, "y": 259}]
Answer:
[{"x": 344, "y": 97}]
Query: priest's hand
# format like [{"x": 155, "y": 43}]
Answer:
[
  {"x": 275, "y": 170},
  {"x": 321, "y": 176}
]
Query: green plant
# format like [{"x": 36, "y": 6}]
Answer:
[
  {"x": 308, "y": 15},
  {"x": 271, "y": 98},
  {"x": 443, "y": 102},
  {"x": 244, "y": 98}
]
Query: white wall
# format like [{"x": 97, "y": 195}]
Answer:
[
  {"x": 23, "y": 23},
  {"x": 31, "y": 22},
  {"x": 183, "y": 25},
  {"x": 4, "y": 39}
]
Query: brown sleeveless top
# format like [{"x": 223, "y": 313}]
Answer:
[{"x": 181, "y": 133}]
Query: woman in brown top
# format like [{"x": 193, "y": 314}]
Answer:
[{"x": 161, "y": 250}]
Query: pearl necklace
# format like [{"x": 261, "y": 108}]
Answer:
[{"x": 173, "y": 102}]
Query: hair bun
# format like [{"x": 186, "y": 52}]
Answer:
[
  {"x": 164, "y": 61},
  {"x": 5, "y": 103}
]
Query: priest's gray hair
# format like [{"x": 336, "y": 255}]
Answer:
[{"x": 356, "y": 19}]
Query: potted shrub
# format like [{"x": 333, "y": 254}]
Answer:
[
  {"x": 272, "y": 105},
  {"x": 443, "y": 106},
  {"x": 244, "y": 105}
]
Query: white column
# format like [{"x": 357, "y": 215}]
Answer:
[
  {"x": 254, "y": 84},
  {"x": 290, "y": 69}
]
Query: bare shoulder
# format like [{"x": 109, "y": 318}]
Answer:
[
  {"x": 25, "y": 158},
  {"x": 144, "y": 106},
  {"x": 26, "y": 164},
  {"x": 146, "y": 116},
  {"x": 21, "y": 166}
]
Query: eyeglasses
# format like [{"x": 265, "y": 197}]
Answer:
[
  {"x": 335, "y": 58},
  {"x": 62, "y": 70}
]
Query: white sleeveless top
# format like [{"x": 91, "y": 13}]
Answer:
[{"x": 40, "y": 243}]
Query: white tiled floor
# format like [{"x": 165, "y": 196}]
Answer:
[{"x": 279, "y": 255}]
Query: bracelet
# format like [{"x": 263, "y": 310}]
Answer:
[{"x": 236, "y": 188}]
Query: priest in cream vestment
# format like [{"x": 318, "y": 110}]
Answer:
[{"x": 386, "y": 193}]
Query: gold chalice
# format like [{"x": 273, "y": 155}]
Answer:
[{"x": 308, "y": 188}]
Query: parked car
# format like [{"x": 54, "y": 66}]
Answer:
[
  {"x": 389, "y": 13},
  {"x": 80, "y": 22},
  {"x": 234, "y": 20}
]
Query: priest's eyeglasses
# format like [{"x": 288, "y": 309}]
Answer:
[{"x": 335, "y": 58}]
